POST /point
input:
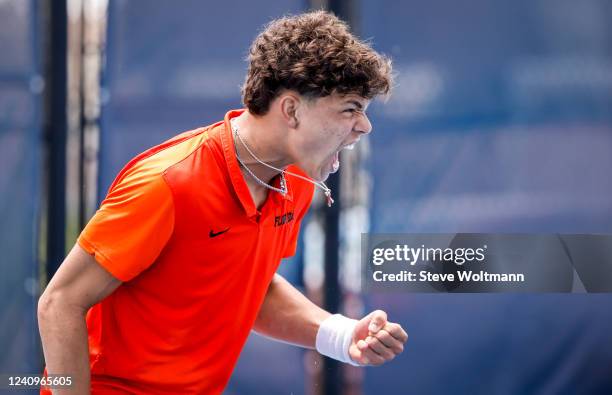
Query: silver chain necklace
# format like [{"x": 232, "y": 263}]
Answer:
[{"x": 283, "y": 183}]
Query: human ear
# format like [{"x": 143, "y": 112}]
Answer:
[{"x": 289, "y": 105}]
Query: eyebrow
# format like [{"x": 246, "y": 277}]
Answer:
[{"x": 355, "y": 102}]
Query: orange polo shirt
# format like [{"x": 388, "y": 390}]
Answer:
[{"x": 180, "y": 229}]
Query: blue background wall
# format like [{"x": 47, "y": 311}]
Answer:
[
  {"x": 20, "y": 189},
  {"x": 501, "y": 122}
]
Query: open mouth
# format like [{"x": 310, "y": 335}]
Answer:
[{"x": 336, "y": 157}]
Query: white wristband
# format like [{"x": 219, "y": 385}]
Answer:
[{"x": 334, "y": 338}]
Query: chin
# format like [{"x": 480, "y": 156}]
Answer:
[
  {"x": 325, "y": 176},
  {"x": 315, "y": 171},
  {"x": 322, "y": 178},
  {"x": 319, "y": 175}
]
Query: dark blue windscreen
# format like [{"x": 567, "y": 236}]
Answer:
[
  {"x": 20, "y": 160},
  {"x": 500, "y": 122}
]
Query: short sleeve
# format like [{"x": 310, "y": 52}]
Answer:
[{"x": 132, "y": 226}]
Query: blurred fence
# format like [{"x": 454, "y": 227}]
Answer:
[
  {"x": 20, "y": 184},
  {"x": 501, "y": 121}
]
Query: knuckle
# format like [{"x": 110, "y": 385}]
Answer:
[
  {"x": 383, "y": 335},
  {"x": 396, "y": 331}
]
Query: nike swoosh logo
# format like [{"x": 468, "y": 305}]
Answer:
[{"x": 215, "y": 234}]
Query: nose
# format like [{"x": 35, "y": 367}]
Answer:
[{"x": 364, "y": 125}]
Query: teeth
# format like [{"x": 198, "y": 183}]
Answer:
[{"x": 349, "y": 147}]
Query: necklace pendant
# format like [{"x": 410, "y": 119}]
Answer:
[
  {"x": 283, "y": 184},
  {"x": 330, "y": 200}
]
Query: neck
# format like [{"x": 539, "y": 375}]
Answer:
[{"x": 265, "y": 141}]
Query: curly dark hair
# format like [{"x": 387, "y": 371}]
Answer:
[{"x": 315, "y": 55}]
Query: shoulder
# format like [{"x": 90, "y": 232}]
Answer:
[{"x": 145, "y": 171}]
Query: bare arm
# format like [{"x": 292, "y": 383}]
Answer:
[
  {"x": 79, "y": 283},
  {"x": 287, "y": 315}
]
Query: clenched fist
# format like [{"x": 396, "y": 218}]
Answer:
[{"x": 376, "y": 340}]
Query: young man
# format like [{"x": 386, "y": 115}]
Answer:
[{"x": 179, "y": 263}]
